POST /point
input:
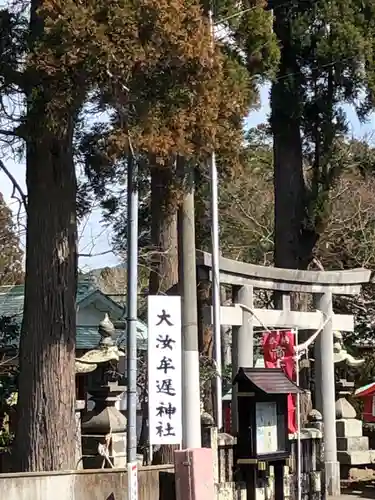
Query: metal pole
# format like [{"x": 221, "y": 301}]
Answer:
[
  {"x": 215, "y": 233},
  {"x": 299, "y": 449},
  {"x": 132, "y": 297},
  {"x": 318, "y": 365},
  {"x": 191, "y": 418},
  {"x": 216, "y": 288}
]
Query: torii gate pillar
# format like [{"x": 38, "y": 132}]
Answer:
[
  {"x": 325, "y": 376},
  {"x": 242, "y": 343}
]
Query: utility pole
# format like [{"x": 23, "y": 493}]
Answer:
[
  {"x": 215, "y": 245},
  {"x": 132, "y": 313},
  {"x": 216, "y": 288},
  {"x": 191, "y": 418}
]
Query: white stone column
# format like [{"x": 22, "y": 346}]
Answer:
[
  {"x": 327, "y": 384},
  {"x": 242, "y": 343},
  {"x": 245, "y": 354}
]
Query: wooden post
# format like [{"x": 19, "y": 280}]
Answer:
[
  {"x": 327, "y": 384},
  {"x": 318, "y": 404},
  {"x": 242, "y": 344},
  {"x": 279, "y": 480}
]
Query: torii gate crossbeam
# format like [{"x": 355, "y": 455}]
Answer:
[{"x": 323, "y": 285}]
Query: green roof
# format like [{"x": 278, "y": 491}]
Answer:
[
  {"x": 88, "y": 338},
  {"x": 11, "y": 300},
  {"x": 11, "y": 304}
]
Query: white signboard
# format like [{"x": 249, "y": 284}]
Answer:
[
  {"x": 132, "y": 481},
  {"x": 164, "y": 369},
  {"x": 266, "y": 425}
]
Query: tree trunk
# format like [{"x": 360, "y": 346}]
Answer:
[
  {"x": 224, "y": 332},
  {"x": 205, "y": 333},
  {"x": 204, "y": 287},
  {"x": 294, "y": 238},
  {"x": 293, "y": 241},
  {"x": 289, "y": 185},
  {"x": 292, "y": 249},
  {"x": 45, "y": 434},
  {"x": 205, "y": 340},
  {"x": 45, "y": 437},
  {"x": 164, "y": 268}
]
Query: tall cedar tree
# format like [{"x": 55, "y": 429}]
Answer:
[
  {"x": 11, "y": 272},
  {"x": 327, "y": 59},
  {"x": 45, "y": 437},
  {"x": 241, "y": 71},
  {"x": 176, "y": 96}
]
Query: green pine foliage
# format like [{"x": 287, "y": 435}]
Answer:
[
  {"x": 327, "y": 60},
  {"x": 246, "y": 53}
]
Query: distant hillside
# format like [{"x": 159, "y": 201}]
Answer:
[{"x": 112, "y": 282}]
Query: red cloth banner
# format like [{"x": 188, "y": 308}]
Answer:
[{"x": 278, "y": 349}]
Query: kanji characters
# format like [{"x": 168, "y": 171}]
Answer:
[
  {"x": 165, "y": 365},
  {"x": 165, "y": 431},
  {"x": 164, "y": 317},
  {"x": 167, "y": 410},
  {"x": 165, "y": 342},
  {"x": 165, "y": 387}
]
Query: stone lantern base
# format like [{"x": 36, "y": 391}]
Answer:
[
  {"x": 104, "y": 430},
  {"x": 352, "y": 446}
]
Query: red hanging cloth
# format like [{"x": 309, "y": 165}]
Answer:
[{"x": 278, "y": 349}]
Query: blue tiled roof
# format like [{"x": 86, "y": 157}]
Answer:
[
  {"x": 11, "y": 300},
  {"x": 11, "y": 304},
  {"x": 88, "y": 338},
  {"x": 11, "y": 296}
]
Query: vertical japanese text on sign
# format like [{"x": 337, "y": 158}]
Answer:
[{"x": 164, "y": 369}]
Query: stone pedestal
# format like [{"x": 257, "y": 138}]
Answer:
[
  {"x": 80, "y": 406},
  {"x": 104, "y": 429},
  {"x": 352, "y": 446}
]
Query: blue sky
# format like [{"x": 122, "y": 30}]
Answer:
[
  {"x": 357, "y": 129},
  {"x": 95, "y": 237}
]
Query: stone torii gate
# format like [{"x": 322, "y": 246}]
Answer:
[{"x": 244, "y": 278}]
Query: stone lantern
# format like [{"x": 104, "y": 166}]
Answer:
[
  {"x": 104, "y": 427},
  {"x": 352, "y": 446}
]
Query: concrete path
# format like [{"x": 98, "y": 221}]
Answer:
[{"x": 359, "y": 491}]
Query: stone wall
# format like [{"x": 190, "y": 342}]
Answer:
[
  {"x": 223, "y": 457},
  {"x": 154, "y": 482},
  {"x": 311, "y": 475},
  {"x": 226, "y": 480}
]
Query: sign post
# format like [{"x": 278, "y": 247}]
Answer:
[
  {"x": 164, "y": 370},
  {"x": 133, "y": 481}
]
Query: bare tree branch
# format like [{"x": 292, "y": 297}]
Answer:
[
  {"x": 10, "y": 133},
  {"x": 93, "y": 254},
  {"x": 16, "y": 186}
]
